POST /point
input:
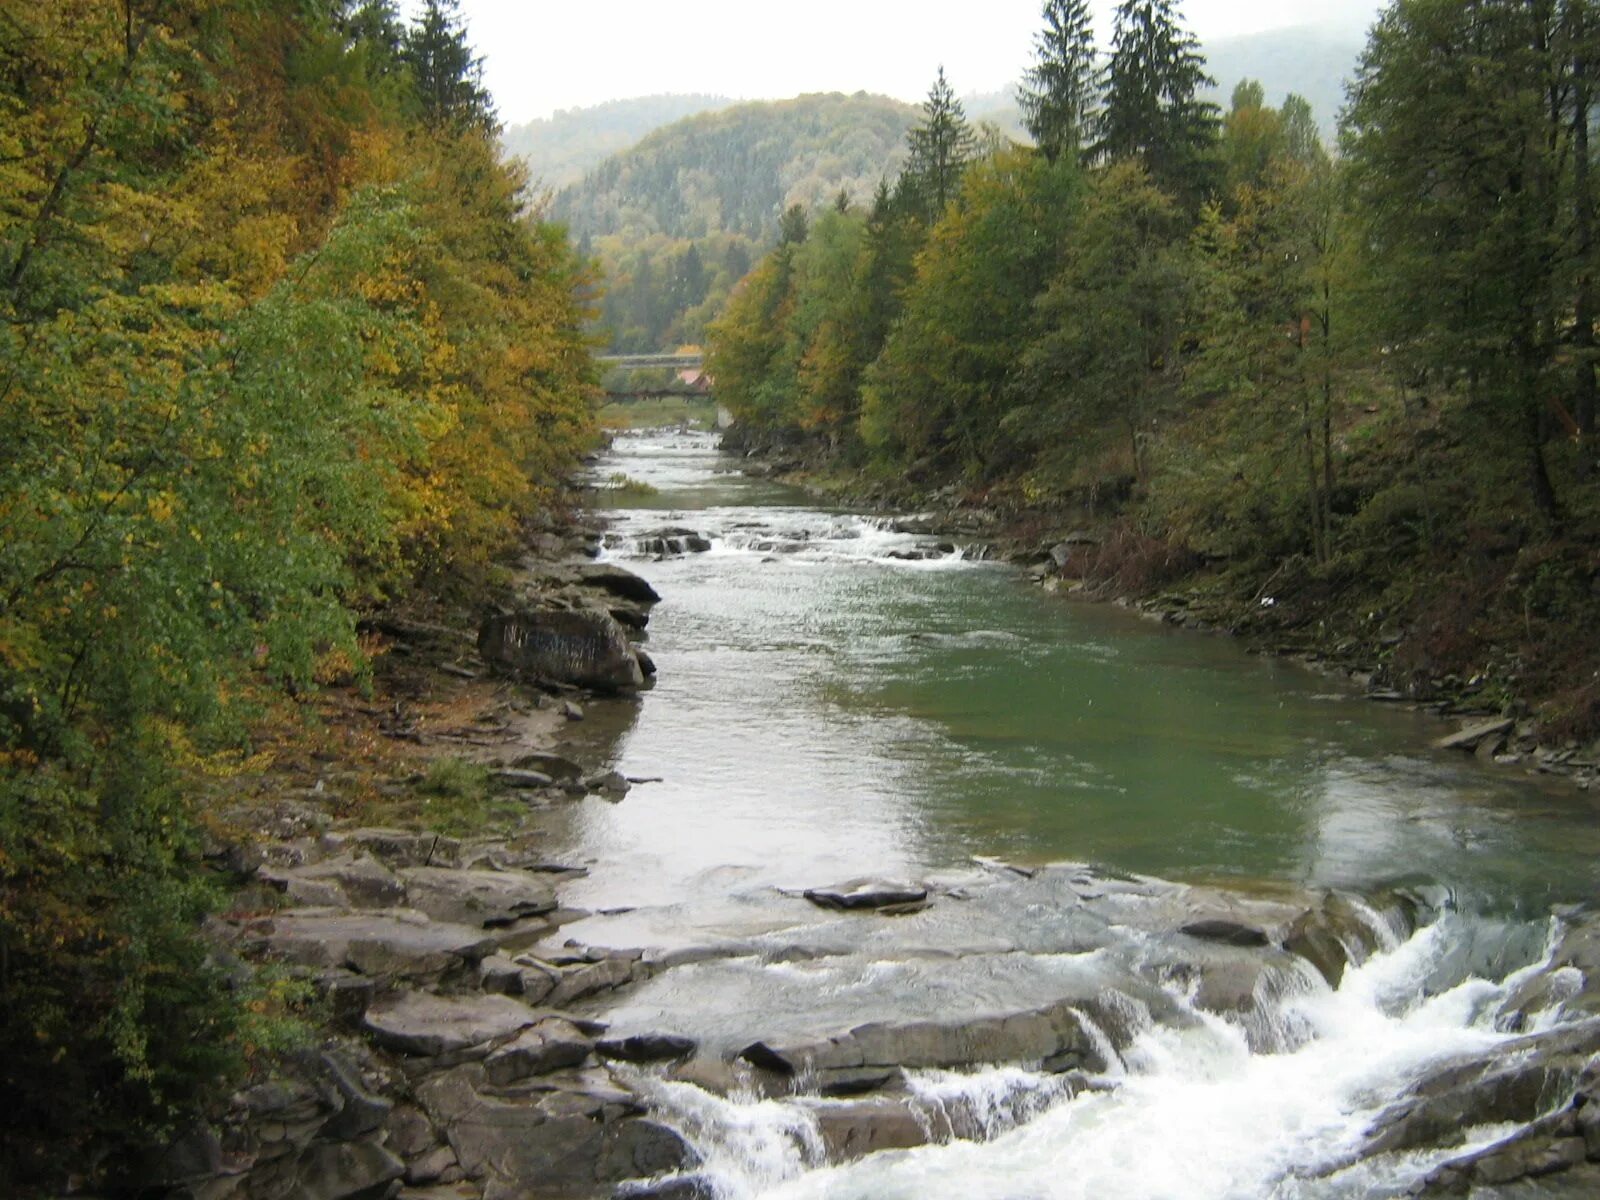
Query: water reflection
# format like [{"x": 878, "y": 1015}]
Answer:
[{"x": 827, "y": 707}]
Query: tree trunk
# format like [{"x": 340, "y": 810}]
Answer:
[{"x": 1583, "y": 389}]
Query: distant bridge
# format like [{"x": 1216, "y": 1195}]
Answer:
[{"x": 640, "y": 362}]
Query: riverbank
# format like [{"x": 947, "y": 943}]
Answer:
[
  {"x": 583, "y": 985},
  {"x": 1506, "y": 696}
]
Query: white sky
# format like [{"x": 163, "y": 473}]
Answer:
[{"x": 540, "y": 56}]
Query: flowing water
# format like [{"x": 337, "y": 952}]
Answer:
[{"x": 836, "y": 700}]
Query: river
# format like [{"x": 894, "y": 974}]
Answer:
[{"x": 837, "y": 700}]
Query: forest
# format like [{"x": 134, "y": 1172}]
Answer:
[
  {"x": 676, "y": 221},
  {"x": 1345, "y": 392},
  {"x": 281, "y": 344}
]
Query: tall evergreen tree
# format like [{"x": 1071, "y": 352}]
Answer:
[
  {"x": 940, "y": 146},
  {"x": 1060, "y": 91},
  {"x": 447, "y": 74},
  {"x": 1152, "y": 107}
]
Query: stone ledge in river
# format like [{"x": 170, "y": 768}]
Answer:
[
  {"x": 581, "y": 647},
  {"x": 396, "y": 943},
  {"x": 426, "y": 1025},
  {"x": 477, "y": 897},
  {"x": 858, "y": 894},
  {"x": 618, "y": 581},
  {"x": 1053, "y": 1036}
]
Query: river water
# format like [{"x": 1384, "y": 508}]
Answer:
[{"x": 839, "y": 700}]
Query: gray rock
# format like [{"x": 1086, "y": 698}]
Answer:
[
  {"x": 397, "y": 943},
  {"x": 427, "y": 1025},
  {"x": 1468, "y": 738},
  {"x": 577, "y": 982},
  {"x": 551, "y": 1045},
  {"x": 558, "y": 768},
  {"x": 580, "y": 647},
  {"x": 647, "y": 1047},
  {"x": 1229, "y": 933},
  {"x": 572, "y": 1142},
  {"x": 867, "y": 894},
  {"x": 362, "y": 1112},
  {"x": 399, "y": 847},
  {"x": 362, "y": 881},
  {"x": 862, "y": 1127},
  {"x": 1052, "y": 1034},
  {"x": 478, "y": 897},
  {"x": 618, "y": 581},
  {"x": 336, "y": 1170}
]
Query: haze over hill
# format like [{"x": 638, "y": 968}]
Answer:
[{"x": 716, "y": 174}]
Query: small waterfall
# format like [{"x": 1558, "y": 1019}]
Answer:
[{"x": 1198, "y": 1108}]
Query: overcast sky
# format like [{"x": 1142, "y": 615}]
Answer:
[{"x": 540, "y": 56}]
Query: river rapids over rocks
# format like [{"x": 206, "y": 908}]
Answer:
[{"x": 938, "y": 887}]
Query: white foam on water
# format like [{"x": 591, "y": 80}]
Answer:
[{"x": 1195, "y": 1114}]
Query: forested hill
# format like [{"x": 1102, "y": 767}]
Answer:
[
  {"x": 676, "y": 221},
  {"x": 558, "y": 150},
  {"x": 735, "y": 171}
]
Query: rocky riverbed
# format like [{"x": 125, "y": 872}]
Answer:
[{"x": 492, "y": 1027}]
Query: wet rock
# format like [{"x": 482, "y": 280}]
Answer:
[
  {"x": 855, "y": 1129},
  {"x": 581, "y": 647},
  {"x": 683, "y": 1187},
  {"x": 478, "y": 897},
  {"x": 618, "y": 581},
  {"x": 1469, "y": 738},
  {"x": 1053, "y": 1033},
  {"x": 396, "y": 943},
  {"x": 553, "y": 1044},
  {"x": 612, "y": 784},
  {"x": 1229, "y": 933},
  {"x": 562, "y": 770},
  {"x": 573, "y": 1142},
  {"x": 646, "y": 663},
  {"x": 578, "y": 982},
  {"x": 427, "y": 1025},
  {"x": 867, "y": 894},
  {"x": 647, "y": 1047}
]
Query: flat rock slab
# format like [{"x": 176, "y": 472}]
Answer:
[
  {"x": 424, "y": 1024},
  {"x": 357, "y": 880},
  {"x": 1047, "y": 1035},
  {"x": 1469, "y": 737},
  {"x": 477, "y": 897},
  {"x": 400, "y": 942},
  {"x": 867, "y": 894},
  {"x": 552, "y": 1044}
]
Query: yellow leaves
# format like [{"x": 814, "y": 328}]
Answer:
[{"x": 161, "y": 506}]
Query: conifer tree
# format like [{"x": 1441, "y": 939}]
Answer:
[
  {"x": 447, "y": 75},
  {"x": 1152, "y": 108},
  {"x": 941, "y": 146},
  {"x": 1060, "y": 91}
]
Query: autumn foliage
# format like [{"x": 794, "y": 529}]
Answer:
[{"x": 278, "y": 340}]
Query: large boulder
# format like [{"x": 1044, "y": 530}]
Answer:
[
  {"x": 618, "y": 581},
  {"x": 475, "y": 897},
  {"x": 582, "y": 647}
]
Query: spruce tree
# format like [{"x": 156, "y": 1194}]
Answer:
[
  {"x": 447, "y": 75},
  {"x": 1152, "y": 111},
  {"x": 1060, "y": 91},
  {"x": 940, "y": 147}
]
